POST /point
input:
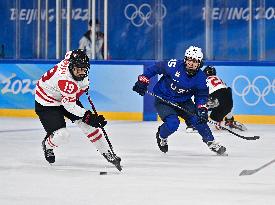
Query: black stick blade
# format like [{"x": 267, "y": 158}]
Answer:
[{"x": 247, "y": 172}]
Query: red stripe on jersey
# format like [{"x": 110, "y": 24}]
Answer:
[
  {"x": 93, "y": 133},
  {"x": 44, "y": 93},
  {"x": 97, "y": 138},
  {"x": 39, "y": 95}
]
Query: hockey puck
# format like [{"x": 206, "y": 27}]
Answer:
[{"x": 103, "y": 173}]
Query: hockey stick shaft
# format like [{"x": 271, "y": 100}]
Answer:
[
  {"x": 102, "y": 128},
  {"x": 253, "y": 171},
  {"x": 210, "y": 121}
]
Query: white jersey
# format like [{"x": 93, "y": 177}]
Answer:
[
  {"x": 214, "y": 83},
  {"x": 57, "y": 87}
]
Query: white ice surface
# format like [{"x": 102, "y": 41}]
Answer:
[{"x": 188, "y": 174}]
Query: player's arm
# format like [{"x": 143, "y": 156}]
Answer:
[
  {"x": 70, "y": 96},
  {"x": 68, "y": 90},
  {"x": 143, "y": 80}
]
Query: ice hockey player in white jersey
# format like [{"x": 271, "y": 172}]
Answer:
[
  {"x": 57, "y": 96},
  {"x": 220, "y": 101}
]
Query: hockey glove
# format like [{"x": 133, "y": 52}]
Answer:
[
  {"x": 212, "y": 103},
  {"x": 141, "y": 85},
  {"x": 94, "y": 120},
  {"x": 202, "y": 114}
]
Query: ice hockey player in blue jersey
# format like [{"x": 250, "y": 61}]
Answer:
[{"x": 181, "y": 79}]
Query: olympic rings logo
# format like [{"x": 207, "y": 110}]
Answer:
[
  {"x": 145, "y": 14},
  {"x": 261, "y": 88}
]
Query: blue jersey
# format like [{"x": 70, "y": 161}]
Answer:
[{"x": 175, "y": 85}]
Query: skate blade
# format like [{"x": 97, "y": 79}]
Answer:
[
  {"x": 223, "y": 154},
  {"x": 119, "y": 167}
]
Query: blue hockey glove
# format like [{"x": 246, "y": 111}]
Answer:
[
  {"x": 94, "y": 120},
  {"x": 141, "y": 85},
  {"x": 202, "y": 114}
]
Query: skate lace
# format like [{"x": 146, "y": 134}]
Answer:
[
  {"x": 163, "y": 142},
  {"x": 49, "y": 153},
  {"x": 214, "y": 146},
  {"x": 110, "y": 156}
]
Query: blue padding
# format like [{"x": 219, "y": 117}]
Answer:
[{"x": 149, "y": 111}]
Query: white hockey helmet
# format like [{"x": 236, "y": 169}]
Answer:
[{"x": 194, "y": 53}]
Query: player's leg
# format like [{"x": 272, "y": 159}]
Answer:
[
  {"x": 189, "y": 127},
  {"x": 170, "y": 124},
  {"x": 225, "y": 105},
  {"x": 229, "y": 118},
  {"x": 95, "y": 135},
  {"x": 54, "y": 124},
  {"x": 232, "y": 123},
  {"x": 203, "y": 128}
]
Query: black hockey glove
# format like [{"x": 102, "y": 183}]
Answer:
[
  {"x": 94, "y": 120},
  {"x": 141, "y": 85},
  {"x": 202, "y": 114}
]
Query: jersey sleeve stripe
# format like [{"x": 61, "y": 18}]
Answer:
[
  {"x": 40, "y": 95},
  {"x": 42, "y": 92}
]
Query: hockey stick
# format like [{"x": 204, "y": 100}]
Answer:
[
  {"x": 210, "y": 121},
  {"x": 118, "y": 166},
  {"x": 253, "y": 171}
]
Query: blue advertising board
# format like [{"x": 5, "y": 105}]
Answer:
[
  {"x": 110, "y": 86},
  {"x": 17, "y": 84},
  {"x": 253, "y": 88}
]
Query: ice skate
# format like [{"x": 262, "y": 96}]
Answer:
[
  {"x": 217, "y": 148},
  {"x": 162, "y": 143},
  {"x": 232, "y": 124},
  {"x": 48, "y": 153},
  {"x": 112, "y": 158},
  {"x": 190, "y": 129}
]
